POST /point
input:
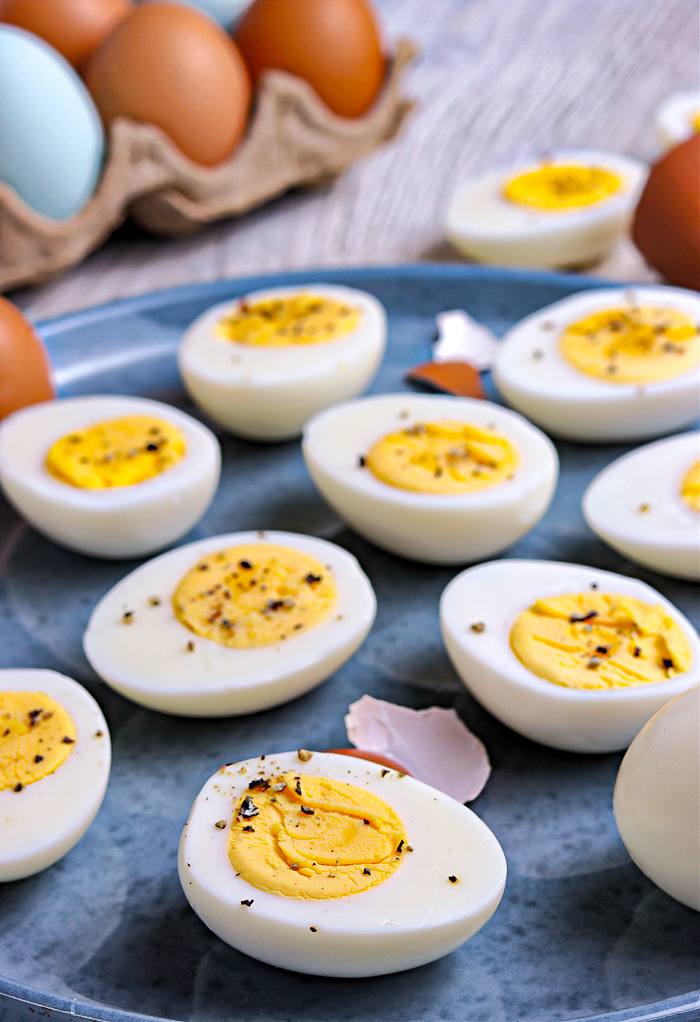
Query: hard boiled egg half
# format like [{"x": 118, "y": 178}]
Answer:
[
  {"x": 108, "y": 476},
  {"x": 438, "y": 479},
  {"x": 656, "y": 799},
  {"x": 336, "y": 866},
  {"x": 572, "y": 657},
  {"x": 606, "y": 365},
  {"x": 678, "y": 118},
  {"x": 54, "y": 768},
  {"x": 563, "y": 211},
  {"x": 646, "y": 505},
  {"x": 265, "y": 363},
  {"x": 231, "y": 624}
]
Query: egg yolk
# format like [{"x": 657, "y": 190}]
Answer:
[
  {"x": 600, "y": 641},
  {"x": 299, "y": 319},
  {"x": 311, "y": 837},
  {"x": 36, "y": 736},
  {"x": 254, "y": 595},
  {"x": 640, "y": 344},
  {"x": 120, "y": 452},
  {"x": 442, "y": 457},
  {"x": 690, "y": 489},
  {"x": 695, "y": 121},
  {"x": 561, "y": 187}
]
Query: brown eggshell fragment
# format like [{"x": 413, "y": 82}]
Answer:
[
  {"x": 333, "y": 44},
  {"x": 666, "y": 227},
  {"x": 458, "y": 378},
  {"x": 25, "y": 370},
  {"x": 173, "y": 66},
  {"x": 73, "y": 27},
  {"x": 373, "y": 757}
]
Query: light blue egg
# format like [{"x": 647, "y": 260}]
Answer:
[{"x": 51, "y": 136}]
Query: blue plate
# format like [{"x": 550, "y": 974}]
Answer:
[{"x": 106, "y": 933}]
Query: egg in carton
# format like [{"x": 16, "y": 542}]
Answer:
[{"x": 293, "y": 139}]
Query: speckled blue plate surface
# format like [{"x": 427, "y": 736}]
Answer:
[{"x": 106, "y": 933}]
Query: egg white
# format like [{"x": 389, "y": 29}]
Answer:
[
  {"x": 438, "y": 528},
  {"x": 125, "y": 521},
  {"x": 666, "y": 537},
  {"x": 656, "y": 799},
  {"x": 148, "y": 661},
  {"x": 594, "y": 720},
  {"x": 268, "y": 393},
  {"x": 535, "y": 378},
  {"x": 43, "y": 821},
  {"x": 674, "y": 118},
  {"x": 485, "y": 225},
  {"x": 413, "y": 917}
]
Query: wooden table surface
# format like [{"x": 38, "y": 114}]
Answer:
[{"x": 497, "y": 80}]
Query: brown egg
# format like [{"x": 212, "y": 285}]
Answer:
[
  {"x": 170, "y": 65},
  {"x": 333, "y": 44},
  {"x": 373, "y": 757},
  {"x": 73, "y": 27},
  {"x": 666, "y": 227},
  {"x": 25, "y": 370}
]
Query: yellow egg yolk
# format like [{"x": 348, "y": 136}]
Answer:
[
  {"x": 690, "y": 489},
  {"x": 254, "y": 595},
  {"x": 36, "y": 736},
  {"x": 553, "y": 187},
  {"x": 442, "y": 457},
  {"x": 120, "y": 452},
  {"x": 299, "y": 319},
  {"x": 600, "y": 641},
  {"x": 642, "y": 344},
  {"x": 311, "y": 837}
]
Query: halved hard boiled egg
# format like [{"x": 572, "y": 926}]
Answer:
[
  {"x": 646, "y": 505},
  {"x": 109, "y": 476},
  {"x": 54, "y": 768},
  {"x": 335, "y": 866},
  {"x": 438, "y": 479},
  {"x": 231, "y": 624},
  {"x": 565, "y": 210},
  {"x": 605, "y": 365},
  {"x": 569, "y": 656},
  {"x": 656, "y": 799},
  {"x": 263, "y": 364},
  {"x": 678, "y": 118}
]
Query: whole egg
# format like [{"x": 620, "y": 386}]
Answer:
[
  {"x": 73, "y": 27},
  {"x": 605, "y": 365},
  {"x": 25, "y": 370},
  {"x": 51, "y": 138},
  {"x": 569, "y": 656},
  {"x": 337, "y": 867},
  {"x": 108, "y": 476}
]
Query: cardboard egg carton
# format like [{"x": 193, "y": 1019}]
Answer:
[{"x": 292, "y": 139}]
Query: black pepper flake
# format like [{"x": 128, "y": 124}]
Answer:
[
  {"x": 275, "y": 604},
  {"x": 478, "y": 626},
  {"x": 313, "y": 929},
  {"x": 154, "y": 601},
  {"x": 190, "y": 646},
  {"x": 248, "y": 902},
  {"x": 594, "y": 585},
  {"x": 384, "y": 773},
  {"x": 152, "y": 447},
  {"x": 366, "y": 823},
  {"x": 601, "y": 649},
  {"x": 576, "y": 618},
  {"x": 311, "y": 578},
  {"x": 637, "y": 651},
  {"x": 367, "y": 872},
  {"x": 249, "y": 828},
  {"x": 38, "y": 759},
  {"x": 204, "y": 567},
  {"x": 220, "y": 824},
  {"x": 18, "y": 786},
  {"x": 453, "y": 880},
  {"x": 307, "y": 811},
  {"x": 248, "y": 808},
  {"x": 667, "y": 662},
  {"x": 246, "y": 565},
  {"x": 400, "y": 846},
  {"x": 259, "y": 784},
  {"x": 297, "y": 787},
  {"x": 128, "y": 617},
  {"x": 67, "y": 741},
  {"x": 362, "y": 461}
]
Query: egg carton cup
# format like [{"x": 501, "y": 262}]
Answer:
[{"x": 293, "y": 139}]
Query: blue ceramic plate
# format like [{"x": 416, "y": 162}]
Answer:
[{"x": 106, "y": 933}]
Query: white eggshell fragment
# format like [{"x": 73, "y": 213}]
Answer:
[
  {"x": 535, "y": 378},
  {"x": 657, "y": 799},
  {"x": 635, "y": 505},
  {"x": 677, "y": 118},
  {"x": 485, "y": 225},
  {"x": 437, "y": 528},
  {"x": 155, "y": 660},
  {"x": 43, "y": 821},
  {"x": 592, "y": 720},
  {"x": 433, "y": 745},
  {"x": 51, "y": 136},
  {"x": 413, "y": 917},
  {"x": 121, "y": 522},
  {"x": 268, "y": 392}
]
